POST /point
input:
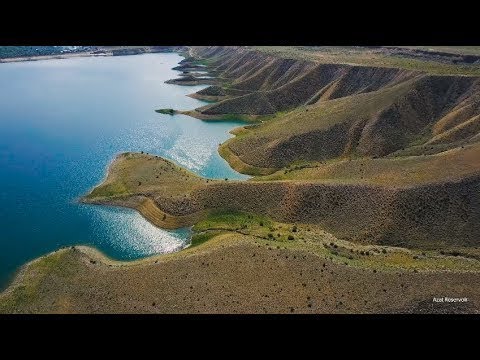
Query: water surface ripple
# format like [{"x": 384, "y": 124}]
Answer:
[{"x": 62, "y": 122}]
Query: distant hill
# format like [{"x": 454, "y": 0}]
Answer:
[{"x": 26, "y": 51}]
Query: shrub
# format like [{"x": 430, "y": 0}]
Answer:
[
  {"x": 261, "y": 223},
  {"x": 290, "y": 237},
  {"x": 294, "y": 228},
  {"x": 270, "y": 235},
  {"x": 384, "y": 251}
]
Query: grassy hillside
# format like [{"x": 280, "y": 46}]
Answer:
[
  {"x": 404, "y": 205},
  {"x": 451, "y": 165},
  {"x": 316, "y": 273},
  {"x": 365, "y": 196},
  {"x": 376, "y": 155},
  {"x": 385, "y": 57},
  {"x": 378, "y": 123}
]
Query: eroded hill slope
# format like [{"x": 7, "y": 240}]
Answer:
[
  {"x": 321, "y": 111},
  {"x": 428, "y": 214}
]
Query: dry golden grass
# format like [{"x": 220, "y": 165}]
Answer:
[
  {"x": 451, "y": 165},
  {"x": 368, "y": 57},
  {"x": 234, "y": 273}
]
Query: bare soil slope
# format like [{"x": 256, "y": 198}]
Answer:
[
  {"x": 414, "y": 211},
  {"x": 228, "y": 275}
]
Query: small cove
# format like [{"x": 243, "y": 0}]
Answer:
[{"x": 62, "y": 122}]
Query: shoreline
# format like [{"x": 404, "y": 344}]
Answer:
[
  {"x": 95, "y": 255},
  {"x": 18, "y": 275},
  {"x": 82, "y": 279},
  {"x": 321, "y": 245},
  {"x": 92, "y": 253},
  {"x": 145, "y": 206},
  {"x": 140, "y": 50},
  {"x": 240, "y": 166}
]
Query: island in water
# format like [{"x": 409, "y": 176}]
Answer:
[{"x": 353, "y": 186}]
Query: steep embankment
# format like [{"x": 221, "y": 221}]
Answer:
[
  {"x": 375, "y": 124},
  {"x": 429, "y": 214},
  {"x": 262, "y": 84},
  {"x": 332, "y": 110}
]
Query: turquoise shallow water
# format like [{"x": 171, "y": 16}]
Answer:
[{"x": 62, "y": 122}]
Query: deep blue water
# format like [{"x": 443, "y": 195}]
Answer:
[{"x": 62, "y": 122}]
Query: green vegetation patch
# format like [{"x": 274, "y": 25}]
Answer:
[
  {"x": 198, "y": 239},
  {"x": 165, "y": 111},
  {"x": 107, "y": 190},
  {"x": 58, "y": 265},
  {"x": 245, "y": 223},
  {"x": 232, "y": 220}
]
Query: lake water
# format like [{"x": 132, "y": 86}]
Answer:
[{"x": 62, "y": 122}]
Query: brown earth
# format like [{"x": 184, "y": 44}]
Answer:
[
  {"x": 319, "y": 111},
  {"x": 227, "y": 275},
  {"x": 382, "y": 156},
  {"x": 423, "y": 213}
]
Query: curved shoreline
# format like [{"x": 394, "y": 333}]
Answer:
[
  {"x": 149, "y": 211},
  {"x": 146, "y": 208},
  {"x": 238, "y": 165},
  {"x": 92, "y": 253}
]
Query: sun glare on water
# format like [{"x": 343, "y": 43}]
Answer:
[{"x": 132, "y": 234}]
